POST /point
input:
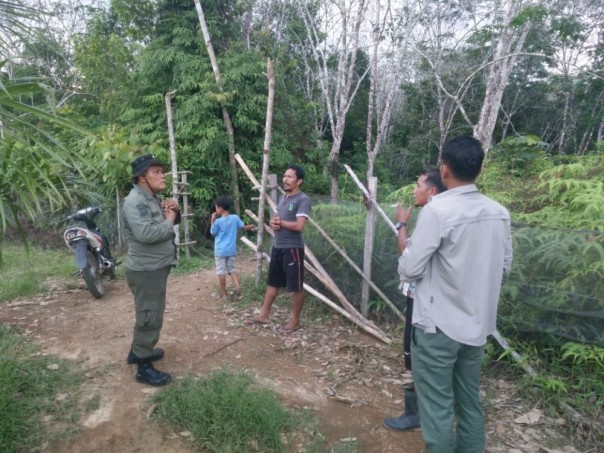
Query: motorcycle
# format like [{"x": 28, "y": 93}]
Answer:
[{"x": 91, "y": 249}]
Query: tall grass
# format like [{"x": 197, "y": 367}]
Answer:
[
  {"x": 227, "y": 411},
  {"x": 26, "y": 272},
  {"x": 29, "y": 386}
]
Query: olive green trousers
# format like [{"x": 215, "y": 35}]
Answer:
[
  {"x": 447, "y": 382},
  {"x": 149, "y": 290}
]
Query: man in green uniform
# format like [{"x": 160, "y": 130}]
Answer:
[{"x": 149, "y": 233}]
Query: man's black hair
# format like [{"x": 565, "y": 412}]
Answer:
[
  {"x": 463, "y": 155},
  {"x": 223, "y": 202},
  {"x": 298, "y": 170},
  {"x": 433, "y": 178}
]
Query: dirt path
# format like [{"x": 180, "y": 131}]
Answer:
[{"x": 200, "y": 334}]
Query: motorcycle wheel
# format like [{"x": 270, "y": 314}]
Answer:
[{"x": 92, "y": 276}]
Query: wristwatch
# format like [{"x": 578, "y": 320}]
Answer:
[{"x": 399, "y": 225}]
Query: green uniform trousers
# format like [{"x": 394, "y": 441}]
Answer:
[
  {"x": 447, "y": 382},
  {"x": 149, "y": 290}
]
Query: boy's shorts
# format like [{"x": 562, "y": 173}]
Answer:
[
  {"x": 286, "y": 269},
  {"x": 225, "y": 264}
]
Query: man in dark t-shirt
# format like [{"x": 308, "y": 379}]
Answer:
[{"x": 286, "y": 269}]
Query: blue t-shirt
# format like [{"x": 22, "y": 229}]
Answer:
[{"x": 224, "y": 231}]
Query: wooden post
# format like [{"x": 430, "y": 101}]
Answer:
[
  {"x": 379, "y": 210},
  {"x": 272, "y": 186},
  {"x": 168, "y": 99},
  {"x": 270, "y": 73},
  {"x": 368, "y": 250},
  {"x": 184, "y": 191},
  {"x": 226, "y": 118}
]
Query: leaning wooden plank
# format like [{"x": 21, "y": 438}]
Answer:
[
  {"x": 370, "y": 198},
  {"x": 359, "y": 271},
  {"x": 370, "y": 330},
  {"x": 517, "y": 357}
]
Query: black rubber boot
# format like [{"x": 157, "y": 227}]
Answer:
[
  {"x": 147, "y": 374},
  {"x": 409, "y": 419},
  {"x": 158, "y": 354}
]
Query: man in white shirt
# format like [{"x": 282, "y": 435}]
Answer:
[{"x": 458, "y": 253}]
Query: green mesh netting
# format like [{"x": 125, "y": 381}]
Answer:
[{"x": 556, "y": 285}]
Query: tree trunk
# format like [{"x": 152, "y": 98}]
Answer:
[
  {"x": 499, "y": 75},
  {"x": 270, "y": 74},
  {"x": 225, "y": 114},
  {"x": 336, "y": 86}
]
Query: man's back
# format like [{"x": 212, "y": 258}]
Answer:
[{"x": 459, "y": 284}]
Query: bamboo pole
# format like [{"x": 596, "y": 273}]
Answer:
[
  {"x": 314, "y": 259},
  {"x": 496, "y": 335},
  {"x": 371, "y": 199},
  {"x": 368, "y": 249},
  {"x": 175, "y": 191},
  {"x": 369, "y": 329}
]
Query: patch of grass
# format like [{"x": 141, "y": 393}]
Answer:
[
  {"x": 28, "y": 272},
  {"x": 227, "y": 411},
  {"x": 93, "y": 403},
  {"x": 32, "y": 387}
]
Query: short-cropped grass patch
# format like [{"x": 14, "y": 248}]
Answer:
[
  {"x": 227, "y": 411},
  {"x": 33, "y": 388},
  {"x": 26, "y": 272}
]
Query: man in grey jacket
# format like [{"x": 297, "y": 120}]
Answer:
[{"x": 149, "y": 233}]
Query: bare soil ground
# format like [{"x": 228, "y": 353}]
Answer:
[{"x": 351, "y": 380}]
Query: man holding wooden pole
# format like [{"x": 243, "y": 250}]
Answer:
[
  {"x": 461, "y": 247},
  {"x": 286, "y": 268}
]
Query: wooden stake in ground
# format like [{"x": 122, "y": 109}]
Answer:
[
  {"x": 168, "y": 99},
  {"x": 270, "y": 74}
]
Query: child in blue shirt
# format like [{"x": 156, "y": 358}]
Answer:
[{"x": 224, "y": 229}]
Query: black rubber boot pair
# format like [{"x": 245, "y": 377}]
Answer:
[{"x": 409, "y": 419}]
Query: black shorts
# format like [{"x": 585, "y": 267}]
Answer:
[{"x": 286, "y": 269}]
